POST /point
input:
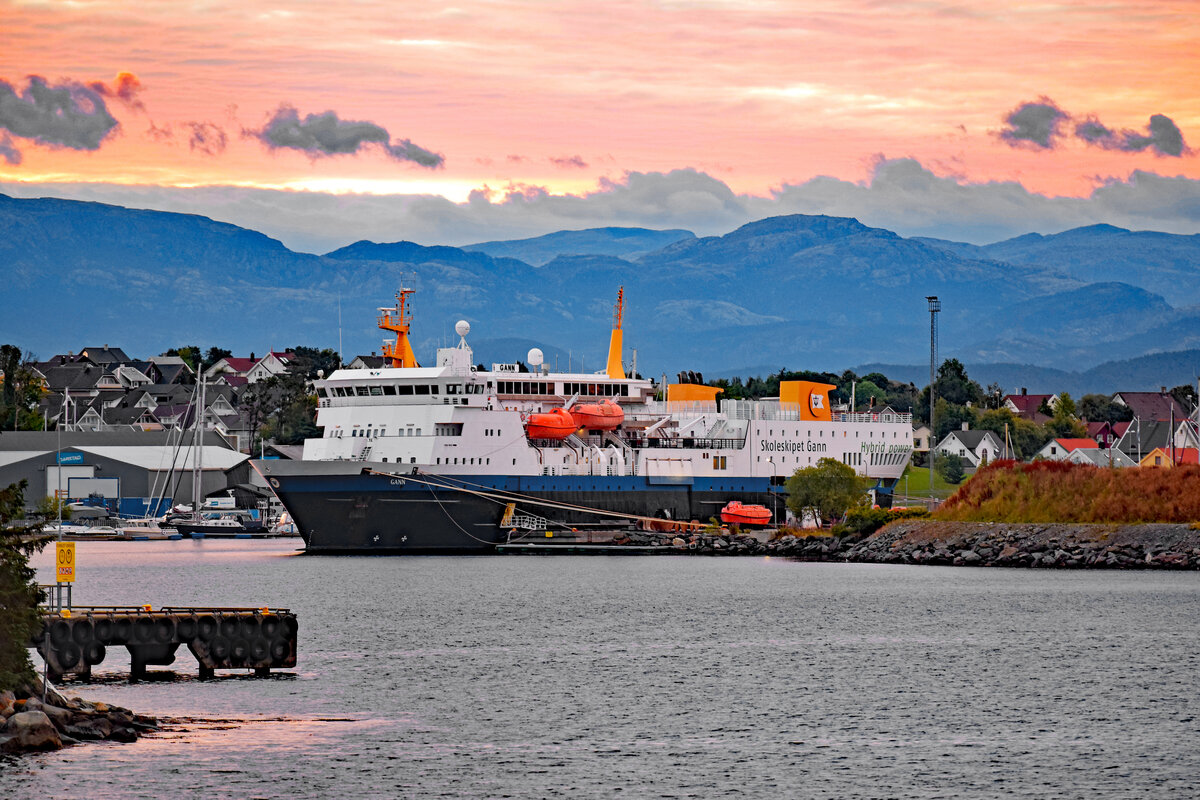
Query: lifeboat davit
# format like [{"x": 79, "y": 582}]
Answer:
[
  {"x": 737, "y": 512},
  {"x": 556, "y": 424},
  {"x": 606, "y": 416}
]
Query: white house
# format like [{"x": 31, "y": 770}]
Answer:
[
  {"x": 1061, "y": 449},
  {"x": 271, "y": 364},
  {"x": 921, "y": 439},
  {"x": 975, "y": 448},
  {"x": 1100, "y": 457}
]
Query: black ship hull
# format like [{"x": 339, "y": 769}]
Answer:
[{"x": 339, "y": 509}]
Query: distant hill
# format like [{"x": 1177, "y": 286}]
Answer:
[
  {"x": 621, "y": 242},
  {"x": 805, "y": 292},
  {"x": 1163, "y": 263},
  {"x": 1143, "y": 374}
]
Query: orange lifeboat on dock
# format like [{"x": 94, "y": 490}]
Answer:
[
  {"x": 556, "y": 424},
  {"x": 737, "y": 512},
  {"x": 606, "y": 416}
]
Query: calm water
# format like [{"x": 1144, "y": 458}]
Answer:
[{"x": 650, "y": 677}]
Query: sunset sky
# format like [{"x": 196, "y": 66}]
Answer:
[{"x": 323, "y": 123}]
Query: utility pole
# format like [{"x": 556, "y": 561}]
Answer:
[{"x": 935, "y": 306}]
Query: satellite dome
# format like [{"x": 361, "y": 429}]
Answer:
[
  {"x": 462, "y": 327},
  {"x": 535, "y": 357}
]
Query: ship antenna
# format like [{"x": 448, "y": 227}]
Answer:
[
  {"x": 397, "y": 320},
  {"x": 614, "y": 343}
]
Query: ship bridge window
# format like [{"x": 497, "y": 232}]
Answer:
[
  {"x": 404, "y": 388},
  {"x": 376, "y": 391},
  {"x": 452, "y": 388},
  {"x": 321, "y": 391},
  {"x": 389, "y": 389},
  {"x": 361, "y": 391},
  {"x": 421, "y": 388}
]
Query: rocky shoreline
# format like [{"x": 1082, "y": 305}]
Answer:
[
  {"x": 32, "y": 725},
  {"x": 979, "y": 544}
]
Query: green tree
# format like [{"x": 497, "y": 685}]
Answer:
[
  {"x": 214, "y": 355},
  {"x": 191, "y": 355},
  {"x": 1185, "y": 395},
  {"x": 825, "y": 491},
  {"x": 950, "y": 467},
  {"x": 22, "y": 390},
  {"x": 291, "y": 421},
  {"x": 19, "y": 594},
  {"x": 1025, "y": 437},
  {"x": 1101, "y": 408},
  {"x": 1064, "y": 425},
  {"x": 310, "y": 360},
  {"x": 49, "y": 508},
  {"x": 866, "y": 392}
]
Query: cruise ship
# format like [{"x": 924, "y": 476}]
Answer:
[{"x": 456, "y": 457}]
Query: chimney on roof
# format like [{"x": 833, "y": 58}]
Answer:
[
  {"x": 1163, "y": 389},
  {"x": 1024, "y": 391},
  {"x": 251, "y": 355},
  {"x": 966, "y": 426}
]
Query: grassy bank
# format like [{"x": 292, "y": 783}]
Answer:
[
  {"x": 1052, "y": 491},
  {"x": 918, "y": 485}
]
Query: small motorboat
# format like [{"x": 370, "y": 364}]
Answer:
[
  {"x": 556, "y": 424},
  {"x": 737, "y": 512},
  {"x": 605, "y": 416}
]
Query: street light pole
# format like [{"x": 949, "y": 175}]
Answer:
[{"x": 935, "y": 306}]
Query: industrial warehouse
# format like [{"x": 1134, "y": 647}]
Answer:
[{"x": 127, "y": 472}]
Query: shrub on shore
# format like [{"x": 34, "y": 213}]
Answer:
[
  {"x": 1057, "y": 491},
  {"x": 862, "y": 522}
]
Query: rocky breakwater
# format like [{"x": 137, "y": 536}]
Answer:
[
  {"x": 1043, "y": 545},
  {"x": 29, "y": 724}
]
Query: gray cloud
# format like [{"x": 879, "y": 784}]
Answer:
[
  {"x": 1038, "y": 123},
  {"x": 68, "y": 114},
  {"x": 206, "y": 137},
  {"x": 325, "y": 134},
  {"x": 1162, "y": 134},
  {"x": 902, "y": 195},
  {"x": 9, "y": 151},
  {"x": 569, "y": 162}
]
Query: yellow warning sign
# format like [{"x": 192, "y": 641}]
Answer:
[{"x": 64, "y": 562}]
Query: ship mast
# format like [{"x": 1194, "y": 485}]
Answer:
[
  {"x": 615, "y": 370},
  {"x": 397, "y": 320}
]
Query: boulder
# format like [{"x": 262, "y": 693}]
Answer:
[{"x": 30, "y": 730}]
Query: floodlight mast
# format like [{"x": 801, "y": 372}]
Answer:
[{"x": 935, "y": 306}]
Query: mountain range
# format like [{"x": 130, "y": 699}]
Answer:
[{"x": 800, "y": 291}]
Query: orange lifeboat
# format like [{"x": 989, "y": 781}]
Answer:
[
  {"x": 556, "y": 424},
  {"x": 606, "y": 416},
  {"x": 736, "y": 512}
]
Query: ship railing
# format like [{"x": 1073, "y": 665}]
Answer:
[
  {"x": 772, "y": 410},
  {"x": 688, "y": 443}
]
